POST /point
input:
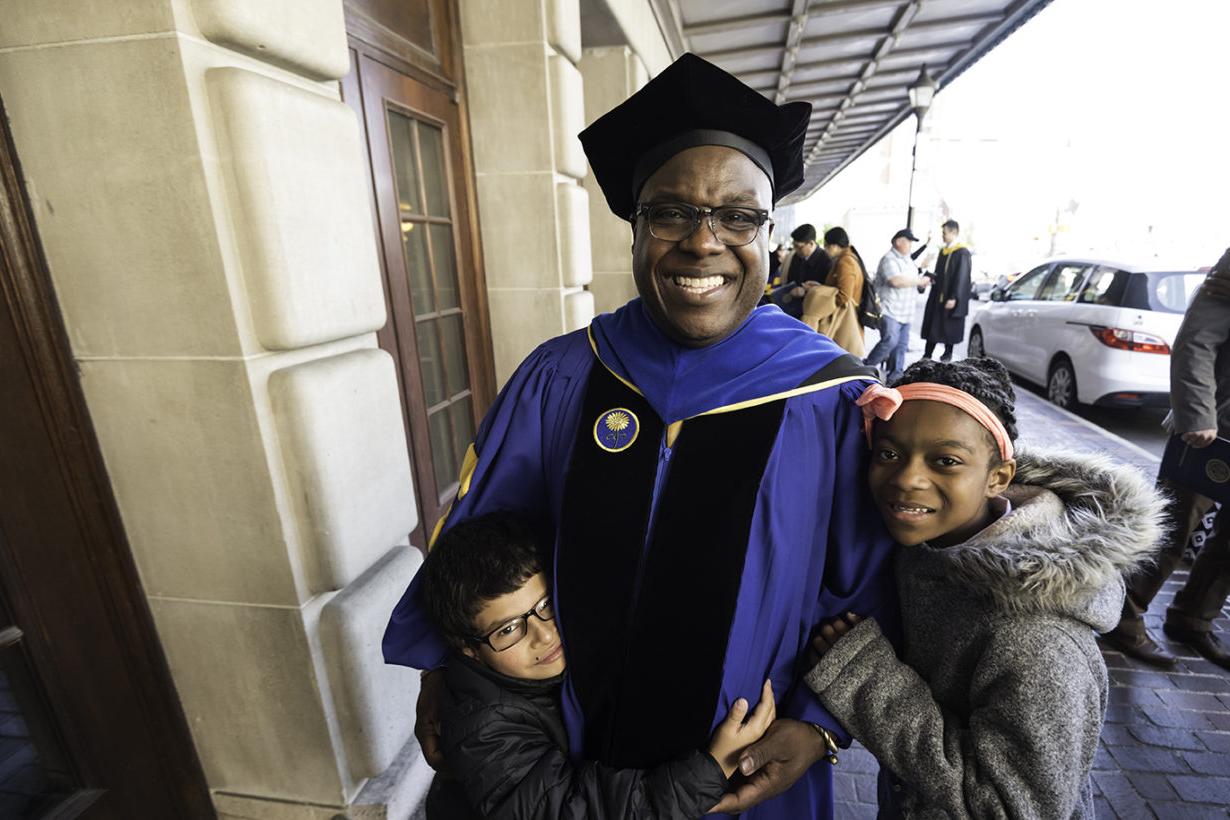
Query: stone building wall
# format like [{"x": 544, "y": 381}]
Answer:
[
  {"x": 200, "y": 193},
  {"x": 526, "y": 106},
  {"x": 612, "y": 74},
  {"x": 202, "y": 196}
]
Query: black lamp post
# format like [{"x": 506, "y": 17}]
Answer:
[{"x": 921, "y": 94}]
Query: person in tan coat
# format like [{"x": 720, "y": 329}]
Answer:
[
  {"x": 832, "y": 308},
  {"x": 846, "y": 273},
  {"x": 826, "y": 310}
]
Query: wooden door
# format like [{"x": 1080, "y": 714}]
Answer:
[
  {"x": 423, "y": 212},
  {"x": 90, "y": 724}
]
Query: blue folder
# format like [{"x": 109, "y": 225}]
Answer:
[{"x": 1206, "y": 470}]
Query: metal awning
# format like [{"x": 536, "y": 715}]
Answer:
[{"x": 853, "y": 60}]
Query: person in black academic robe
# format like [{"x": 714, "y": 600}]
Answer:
[
  {"x": 948, "y": 302},
  {"x": 656, "y": 447}
]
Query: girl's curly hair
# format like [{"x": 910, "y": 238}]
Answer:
[{"x": 985, "y": 379}]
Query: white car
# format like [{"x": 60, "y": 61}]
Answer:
[{"x": 1093, "y": 332}]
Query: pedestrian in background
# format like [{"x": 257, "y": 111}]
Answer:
[
  {"x": 833, "y": 308},
  {"x": 948, "y": 302},
  {"x": 847, "y": 271},
  {"x": 803, "y": 268},
  {"x": 1199, "y": 413},
  {"x": 777, "y": 255},
  {"x": 895, "y": 281}
]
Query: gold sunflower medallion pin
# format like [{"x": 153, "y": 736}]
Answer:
[{"x": 616, "y": 430}]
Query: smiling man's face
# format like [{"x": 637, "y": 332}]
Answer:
[{"x": 698, "y": 290}]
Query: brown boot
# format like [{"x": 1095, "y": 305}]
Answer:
[
  {"x": 1205, "y": 643},
  {"x": 1138, "y": 645}
]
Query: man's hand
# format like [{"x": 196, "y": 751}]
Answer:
[
  {"x": 773, "y": 764},
  {"x": 1216, "y": 287},
  {"x": 810, "y": 283},
  {"x": 427, "y": 721},
  {"x": 950, "y": 304},
  {"x": 1200, "y": 438},
  {"x": 796, "y": 292}
]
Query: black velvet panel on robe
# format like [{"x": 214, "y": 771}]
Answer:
[{"x": 646, "y": 629}]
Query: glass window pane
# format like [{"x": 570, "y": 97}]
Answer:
[
  {"x": 1105, "y": 286},
  {"x": 1027, "y": 286},
  {"x": 463, "y": 427},
  {"x": 443, "y": 455},
  {"x": 429, "y": 363},
  {"x": 418, "y": 269},
  {"x": 1173, "y": 292},
  {"x": 1063, "y": 284},
  {"x": 435, "y": 174},
  {"x": 403, "y": 19},
  {"x": 405, "y": 163},
  {"x": 446, "y": 266},
  {"x": 453, "y": 334}
]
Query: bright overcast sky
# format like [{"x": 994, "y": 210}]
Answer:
[{"x": 1118, "y": 106}]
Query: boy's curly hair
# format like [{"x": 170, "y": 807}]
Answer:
[
  {"x": 985, "y": 379},
  {"x": 475, "y": 562}
]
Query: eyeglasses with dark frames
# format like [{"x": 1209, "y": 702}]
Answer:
[
  {"x": 509, "y": 634},
  {"x": 676, "y": 221}
]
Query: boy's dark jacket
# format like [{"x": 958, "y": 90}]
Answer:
[{"x": 504, "y": 742}]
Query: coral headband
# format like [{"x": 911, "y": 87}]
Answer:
[{"x": 880, "y": 402}]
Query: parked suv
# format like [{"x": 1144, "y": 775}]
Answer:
[{"x": 1093, "y": 332}]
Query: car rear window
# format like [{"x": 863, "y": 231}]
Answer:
[
  {"x": 1105, "y": 286},
  {"x": 1166, "y": 292}
]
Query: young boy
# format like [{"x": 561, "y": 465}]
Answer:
[
  {"x": 1009, "y": 564},
  {"x": 502, "y": 734}
]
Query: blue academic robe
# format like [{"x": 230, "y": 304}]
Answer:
[{"x": 815, "y": 544}]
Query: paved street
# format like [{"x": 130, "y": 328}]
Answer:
[
  {"x": 1165, "y": 750},
  {"x": 1140, "y": 427}
]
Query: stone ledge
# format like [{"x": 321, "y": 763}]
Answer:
[
  {"x": 315, "y": 45},
  {"x": 293, "y": 163}
]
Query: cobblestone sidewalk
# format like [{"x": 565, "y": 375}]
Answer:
[{"x": 1165, "y": 749}]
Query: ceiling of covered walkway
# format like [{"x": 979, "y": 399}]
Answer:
[{"x": 853, "y": 60}]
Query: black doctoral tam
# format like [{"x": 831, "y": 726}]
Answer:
[{"x": 693, "y": 102}]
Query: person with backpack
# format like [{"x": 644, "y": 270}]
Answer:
[
  {"x": 895, "y": 282},
  {"x": 847, "y": 272},
  {"x": 846, "y": 302}
]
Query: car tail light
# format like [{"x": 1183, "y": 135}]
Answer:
[{"x": 1132, "y": 340}]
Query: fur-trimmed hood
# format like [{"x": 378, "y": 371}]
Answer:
[{"x": 1079, "y": 523}]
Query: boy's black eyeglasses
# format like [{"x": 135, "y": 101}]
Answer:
[
  {"x": 510, "y": 633},
  {"x": 676, "y": 221}
]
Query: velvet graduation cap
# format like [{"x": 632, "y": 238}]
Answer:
[{"x": 693, "y": 102}]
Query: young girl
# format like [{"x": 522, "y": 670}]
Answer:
[{"x": 1009, "y": 565}]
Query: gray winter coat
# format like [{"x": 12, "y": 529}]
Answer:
[{"x": 997, "y": 707}]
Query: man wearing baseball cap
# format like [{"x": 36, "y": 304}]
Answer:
[{"x": 896, "y": 282}]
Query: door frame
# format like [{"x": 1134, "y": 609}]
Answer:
[
  {"x": 88, "y": 632},
  {"x": 378, "y": 66}
]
